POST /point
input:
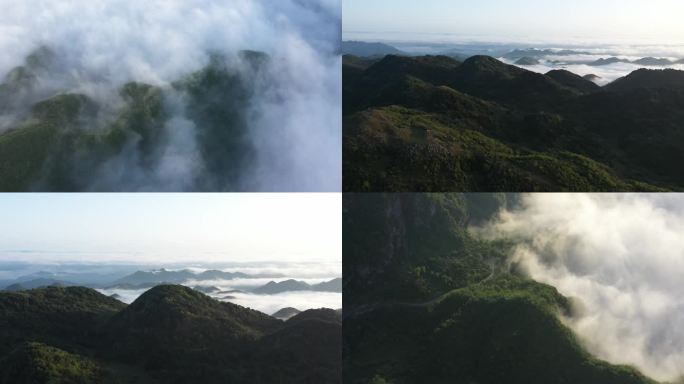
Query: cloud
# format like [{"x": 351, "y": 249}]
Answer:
[
  {"x": 295, "y": 112},
  {"x": 622, "y": 257},
  {"x": 608, "y": 73},
  {"x": 301, "y": 300}
]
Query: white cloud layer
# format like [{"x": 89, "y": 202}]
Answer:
[
  {"x": 622, "y": 256},
  {"x": 104, "y": 44},
  {"x": 607, "y": 73}
]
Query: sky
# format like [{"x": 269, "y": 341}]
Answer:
[
  {"x": 606, "y": 21},
  {"x": 301, "y": 227}
]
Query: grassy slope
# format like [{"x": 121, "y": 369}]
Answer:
[
  {"x": 39, "y": 363},
  {"x": 407, "y": 149}
]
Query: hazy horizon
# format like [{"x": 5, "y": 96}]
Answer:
[{"x": 526, "y": 21}]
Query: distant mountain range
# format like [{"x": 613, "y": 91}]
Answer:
[
  {"x": 167, "y": 276},
  {"x": 363, "y": 49},
  {"x": 272, "y": 287},
  {"x": 286, "y": 313},
  {"x": 527, "y": 61},
  {"x": 169, "y": 334},
  {"x": 432, "y": 123},
  {"x": 646, "y": 61},
  {"x": 524, "y": 57},
  {"x": 142, "y": 280}
]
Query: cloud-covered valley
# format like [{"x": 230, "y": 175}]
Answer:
[{"x": 248, "y": 93}]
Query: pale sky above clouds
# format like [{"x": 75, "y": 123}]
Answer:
[
  {"x": 606, "y": 21},
  {"x": 298, "y": 227}
]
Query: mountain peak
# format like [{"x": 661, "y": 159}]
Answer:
[
  {"x": 649, "y": 78},
  {"x": 489, "y": 66},
  {"x": 179, "y": 304},
  {"x": 321, "y": 314},
  {"x": 572, "y": 80},
  {"x": 286, "y": 313}
]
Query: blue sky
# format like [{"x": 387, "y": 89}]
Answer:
[
  {"x": 609, "y": 21},
  {"x": 174, "y": 227}
]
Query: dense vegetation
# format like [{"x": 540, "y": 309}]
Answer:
[
  {"x": 425, "y": 301},
  {"x": 433, "y": 123},
  {"x": 64, "y": 141},
  {"x": 170, "y": 334}
]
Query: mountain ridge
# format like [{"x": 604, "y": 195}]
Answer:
[
  {"x": 415, "y": 275},
  {"x": 171, "y": 334},
  {"x": 496, "y": 127}
]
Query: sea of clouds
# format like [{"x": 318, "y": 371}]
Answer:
[
  {"x": 237, "y": 291},
  {"x": 622, "y": 257},
  {"x": 295, "y": 122},
  {"x": 578, "y": 64}
]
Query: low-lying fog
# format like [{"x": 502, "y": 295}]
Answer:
[
  {"x": 104, "y": 277},
  {"x": 269, "y": 304}
]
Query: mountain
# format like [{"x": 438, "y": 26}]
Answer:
[
  {"x": 57, "y": 316},
  {"x": 540, "y": 53},
  {"x": 364, "y": 49},
  {"x": 430, "y": 124},
  {"x": 76, "y": 278},
  {"x": 312, "y": 338},
  {"x": 16, "y": 287},
  {"x": 38, "y": 283},
  {"x": 334, "y": 285},
  {"x": 358, "y": 63},
  {"x": 149, "y": 278},
  {"x": 49, "y": 143},
  {"x": 648, "y": 78},
  {"x": 527, "y": 61},
  {"x": 591, "y": 77},
  {"x": 116, "y": 296},
  {"x": 206, "y": 288},
  {"x": 284, "y": 286},
  {"x": 272, "y": 287},
  {"x": 653, "y": 61},
  {"x": 572, "y": 80},
  {"x": 39, "y": 363},
  {"x": 169, "y": 334},
  {"x": 286, "y": 313},
  {"x": 427, "y": 302},
  {"x": 608, "y": 61}
]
